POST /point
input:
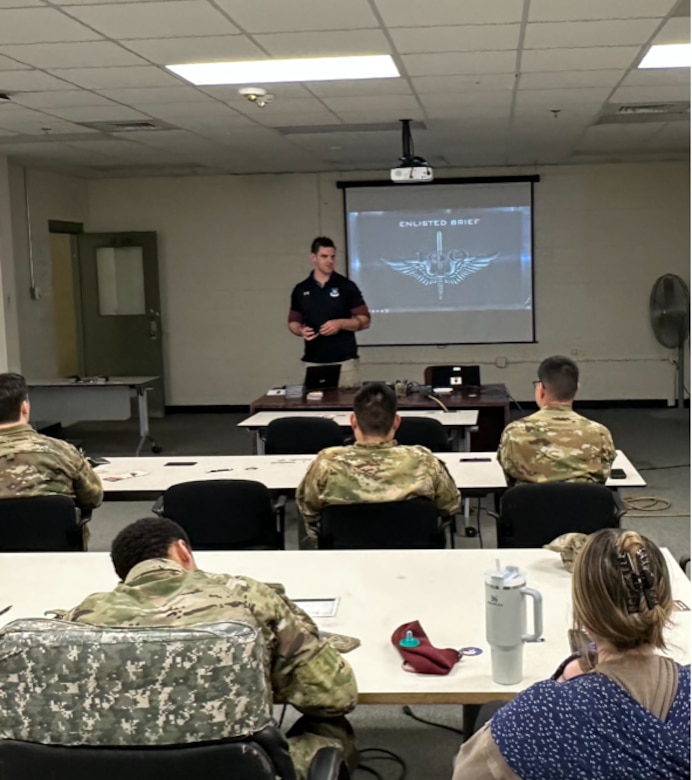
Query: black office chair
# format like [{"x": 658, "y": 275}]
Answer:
[
  {"x": 41, "y": 524},
  {"x": 226, "y": 514},
  {"x": 301, "y": 435},
  {"x": 425, "y": 431},
  {"x": 413, "y": 524},
  {"x": 533, "y": 515},
  {"x": 264, "y": 756}
]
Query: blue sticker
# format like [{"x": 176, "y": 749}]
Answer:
[{"x": 470, "y": 651}]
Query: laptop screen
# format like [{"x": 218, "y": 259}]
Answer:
[
  {"x": 322, "y": 377},
  {"x": 456, "y": 376}
]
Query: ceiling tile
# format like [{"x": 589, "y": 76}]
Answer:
[
  {"x": 652, "y": 77},
  {"x": 8, "y": 64},
  {"x": 21, "y": 3},
  {"x": 155, "y": 20},
  {"x": 280, "y": 16},
  {"x": 60, "y": 99},
  {"x": 555, "y": 35},
  {"x": 674, "y": 134},
  {"x": 38, "y": 25},
  {"x": 304, "y": 118},
  {"x": 481, "y": 83},
  {"x": 30, "y": 81},
  {"x": 374, "y": 116},
  {"x": 107, "y": 78},
  {"x": 330, "y": 43},
  {"x": 657, "y": 94},
  {"x": 98, "y": 113},
  {"x": 556, "y": 98},
  {"x": 595, "y": 58},
  {"x": 480, "y": 37},
  {"x": 140, "y": 98},
  {"x": 618, "y": 136},
  {"x": 413, "y": 13},
  {"x": 566, "y": 79},
  {"x": 397, "y": 104},
  {"x": 70, "y": 55},
  {"x": 285, "y": 106},
  {"x": 209, "y": 48},
  {"x": 674, "y": 31},
  {"x": 449, "y": 63},
  {"x": 43, "y": 125},
  {"x": 364, "y": 87},
  {"x": 569, "y": 10}
]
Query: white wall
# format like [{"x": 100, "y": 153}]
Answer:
[
  {"x": 52, "y": 196},
  {"x": 231, "y": 248}
]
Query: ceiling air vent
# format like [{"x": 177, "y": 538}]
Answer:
[
  {"x": 131, "y": 126},
  {"x": 629, "y": 113}
]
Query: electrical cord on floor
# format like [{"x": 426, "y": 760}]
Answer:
[
  {"x": 408, "y": 711},
  {"x": 662, "y": 468},
  {"x": 387, "y": 755},
  {"x": 647, "y": 503},
  {"x": 514, "y": 401}
]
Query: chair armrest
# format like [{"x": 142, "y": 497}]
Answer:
[
  {"x": 157, "y": 506},
  {"x": 83, "y": 516},
  {"x": 328, "y": 764},
  {"x": 619, "y": 506},
  {"x": 279, "y": 509}
]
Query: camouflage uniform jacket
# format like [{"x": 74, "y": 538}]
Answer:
[
  {"x": 368, "y": 473},
  {"x": 35, "y": 465},
  {"x": 302, "y": 669},
  {"x": 556, "y": 445}
]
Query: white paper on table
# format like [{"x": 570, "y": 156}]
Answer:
[
  {"x": 319, "y": 608},
  {"x": 277, "y": 391},
  {"x": 106, "y": 477}
]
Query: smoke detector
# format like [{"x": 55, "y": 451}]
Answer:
[{"x": 257, "y": 95}]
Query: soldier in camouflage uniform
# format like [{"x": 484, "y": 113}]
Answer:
[
  {"x": 556, "y": 444},
  {"x": 161, "y": 586},
  {"x": 35, "y": 465},
  {"x": 375, "y": 468}
]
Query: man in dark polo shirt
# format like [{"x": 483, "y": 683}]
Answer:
[{"x": 326, "y": 311}]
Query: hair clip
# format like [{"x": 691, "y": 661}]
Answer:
[
  {"x": 646, "y": 578},
  {"x": 632, "y": 583}
]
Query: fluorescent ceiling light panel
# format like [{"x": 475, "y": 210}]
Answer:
[
  {"x": 672, "y": 55},
  {"x": 380, "y": 66}
]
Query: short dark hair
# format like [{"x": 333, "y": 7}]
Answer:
[
  {"x": 149, "y": 537},
  {"x": 13, "y": 391},
  {"x": 321, "y": 241},
  {"x": 375, "y": 408},
  {"x": 560, "y": 377}
]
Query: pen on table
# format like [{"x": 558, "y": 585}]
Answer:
[
  {"x": 5, "y": 609},
  {"x": 214, "y": 471}
]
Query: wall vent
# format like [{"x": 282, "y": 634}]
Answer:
[{"x": 629, "y": 113}]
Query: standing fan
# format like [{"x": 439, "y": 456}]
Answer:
[{"x": 669, "y": 311}]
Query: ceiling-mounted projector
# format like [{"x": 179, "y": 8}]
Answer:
[{"x": 411, "y": 169}]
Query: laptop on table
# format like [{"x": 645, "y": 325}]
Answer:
[
  {"x": 322, "y": 377},
  {"x": 456, "y": 377}
]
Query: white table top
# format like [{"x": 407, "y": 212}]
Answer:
[
  {"x": 284, "y": 472},
  {"x": 113, "y": 381},
  {"x": 378, "y": 590},
  {"x": 460, "y": 418}
]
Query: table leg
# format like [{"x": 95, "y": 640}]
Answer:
[
  {"x": 469, "y": 715},
  {"x": 143, "y": 413}
]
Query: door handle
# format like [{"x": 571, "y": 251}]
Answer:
[{"x": 153, "y": 330}]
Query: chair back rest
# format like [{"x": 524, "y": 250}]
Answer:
[
  {"x": 69, "y": 683},
  {"x": 39, "y": 524},
  {"x": 451, "y": 376},
  {"x": 264, "y": 757},
  {"x": 223, "y": 514},
  {"x": 533, "y": 515},
  {"x": 389, "y": 525},
  {"x": 302, "y": 435},
  {"x": 425, "y": 431}
]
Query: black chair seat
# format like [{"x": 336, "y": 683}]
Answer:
[
  {"x": 226, "y": 514},
  {"x": 425, "y": 431},
  {"x": 302, "y": 435},
  {"x": 39, "y": 524},
  {"x": 532, "y": 515},
  {"x": 393, "y": 525},
  {"x": 263, "y": 757}
]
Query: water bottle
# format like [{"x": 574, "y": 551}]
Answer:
[{"x": 505, "y": 621}]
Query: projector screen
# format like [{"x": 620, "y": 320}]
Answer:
[{"x": 443, "y": 263}]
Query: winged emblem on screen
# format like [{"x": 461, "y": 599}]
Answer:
[{"x": 440, "y": 267}]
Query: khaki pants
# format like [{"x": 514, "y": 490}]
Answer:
[{"x": 350, "y": 372}]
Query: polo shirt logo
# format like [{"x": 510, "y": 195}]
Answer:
[
  {"x": 306, "y": 292},
  {"x": 334, "y": 292}
]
